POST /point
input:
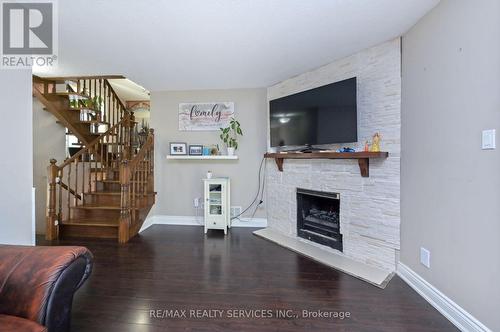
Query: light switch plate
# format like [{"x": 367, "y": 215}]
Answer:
[
  {"x": 425, "y": 257},
  {"x": 489, "y": 139}
]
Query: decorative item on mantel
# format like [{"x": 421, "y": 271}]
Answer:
[
  {"x": 375, "y": 147},
  {"x": 230, "y": 134},
  {"x": 367, "y": 147}
]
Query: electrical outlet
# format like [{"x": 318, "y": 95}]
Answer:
[
  {"x": 235, "y": 211},
  {"x": 196, "y": 202},
  {"x": 425, "y": 257}
]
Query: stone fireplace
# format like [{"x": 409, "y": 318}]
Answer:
[
  {"x": 318, "y": 218},
  {"x": 369, "y": 207}
]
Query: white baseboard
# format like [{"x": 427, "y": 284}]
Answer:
[
  {"x": 198, "y": 221},
  {"x": 452, "y": 311}
]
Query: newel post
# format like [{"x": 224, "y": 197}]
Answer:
[
  {"x": 129, "y": 126},
  {"x": 125, "y": 217},
  {"x": 51, "y": 231}
]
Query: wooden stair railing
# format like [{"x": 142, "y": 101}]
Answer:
[
  {"x": 70, "y": 182},
  {"x": 136, "y": 189},
  {"x": 87, "y": 106},
  {"x": 107, "y": 188}
]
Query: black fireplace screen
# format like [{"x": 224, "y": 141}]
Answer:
[{"x": 318, "y": 217}]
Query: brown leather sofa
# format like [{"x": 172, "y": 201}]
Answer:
[{"x": 37, "y": 285}]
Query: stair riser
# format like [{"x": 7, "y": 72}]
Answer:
[
  {"x": 88, "y": 231},
  {"x": 103, "y": 199},
  {"x": 114, "y": 200},
  {"x": 106, "y": 186},
  {"x": 98, "y": 214}
]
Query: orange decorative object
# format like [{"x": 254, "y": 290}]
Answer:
[{"x": 367, "y": 147}]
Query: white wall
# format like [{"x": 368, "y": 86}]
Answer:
[
  {"x": 16, "y": 164},
  {"x": 179, "y": 182},
  {"x": 450, "y": 188},
  {"x": 48, "y": 142}
]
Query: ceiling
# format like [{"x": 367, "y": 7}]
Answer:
[{"x": 201, "y": 44}]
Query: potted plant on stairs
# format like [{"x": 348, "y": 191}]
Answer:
[{"x": 229, "y": 136}]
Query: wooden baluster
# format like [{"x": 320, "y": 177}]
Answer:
[
  {"x": 115, "y": 110},
  {"x": 113, "y": 158},
  {"x": 102, "y": 157},
  {"x": 112, "y": 107},
  {"x": 90, "y": 169},
  {"x": 143, "y": 172},
  {"x": 50, "y": 223},
  {"x": 126, "y": 126},
  {"x": 125, "y": 218},
  {"x": 94, "y": 150},
  {"x": 83, "y": 179},
  {"x": 106, "y": 104},
  {"x": 107, "y": 138},
  {"x": 134, "y": 186},
  {"x": 60, "y": 212},
  {"x": 118, "y": 140},
  {"x": 76, "y": 182},
  {"x": 69, "y": 188}
]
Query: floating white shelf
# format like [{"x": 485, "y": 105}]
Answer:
[{"x": 187, "y": 157}]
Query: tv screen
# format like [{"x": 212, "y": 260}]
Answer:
[{"x": 323, "y": 115}]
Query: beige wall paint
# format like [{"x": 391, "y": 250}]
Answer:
[
  {"x": 48, "y": 142},
  {"x": 179, "y": 182},
  {"x": 450, "y": 188},
  {"x": 16, "y": 174}
]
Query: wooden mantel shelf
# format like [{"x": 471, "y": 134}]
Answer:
[{"x": 362, "y": 157}]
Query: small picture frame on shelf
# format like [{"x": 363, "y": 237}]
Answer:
[
  {"x": 177, "y": 149},
  {"x": 195, "y": 150},
  {"x": 206, "y": 150}
]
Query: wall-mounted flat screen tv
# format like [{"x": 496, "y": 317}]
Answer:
[{"x": 324, "y": 115}]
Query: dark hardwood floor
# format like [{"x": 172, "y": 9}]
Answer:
[{"x": 179, "y": 268}]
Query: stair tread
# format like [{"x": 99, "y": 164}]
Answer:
[
  {"x": 92, "y": 222},
  {"x": 112, "y": 193},
  {"x": 82, "y": 108},
  {"x": 118, "y": 181},
  {"x": 105, "y": 207},
  {"x": 67, "y": 94},
  {"x": 93, "y": 121}
]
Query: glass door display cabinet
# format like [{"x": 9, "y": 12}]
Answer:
[{"x": 217, "y": 203}]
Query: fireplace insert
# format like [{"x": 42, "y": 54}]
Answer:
[{"x": 318, "y": 217}]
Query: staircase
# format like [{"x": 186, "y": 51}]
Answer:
[{"x": 106, "y": 189}]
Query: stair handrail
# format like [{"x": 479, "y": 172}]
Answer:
[{"x": 93, "y": 143}]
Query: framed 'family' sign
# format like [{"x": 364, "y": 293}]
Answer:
[{"x": 205, "y": 116}]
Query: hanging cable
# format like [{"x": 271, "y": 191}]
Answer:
[{"x": 256, "y": 195}]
